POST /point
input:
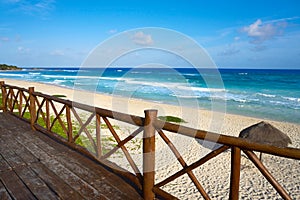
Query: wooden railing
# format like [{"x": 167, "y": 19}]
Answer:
[{"x": 64, "y": 121}]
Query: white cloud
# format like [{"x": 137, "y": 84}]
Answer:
[
  {"x": 228, "y": 51},
  {"x": 140, "y": 38},
  {"x": 112, "y": 31},
  {"x": 23, "y": 50},
  {"x": 4, "y": 39},
  {"x": 41, "y": 7},
  {"x": 237, "y": 38},
  {"x": 260, "y": 32},
  {"x": 283, "y": 19},
  {"x": 57, "y": 53},
  {"x": 258, "y": 48}
]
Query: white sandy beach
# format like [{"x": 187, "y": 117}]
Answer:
[{"x": 215, "y": 174}]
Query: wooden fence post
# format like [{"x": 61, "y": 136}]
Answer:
[
  {"x": 235, "y": 173},
  {"x": 4, "y": 96},
  {"x": 98, "y": 136},
  {"x": 48, "y": 117},
  {"x": 149, "y": 154},
  {"x": 69, "y": 123},
  {"x": 32, "y": 108}
]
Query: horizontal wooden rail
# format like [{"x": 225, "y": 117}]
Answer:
[
  {"x": 15, "y": 87},
  {"x": 228, "y": 140},
  {"x": 131, "y": 119}
]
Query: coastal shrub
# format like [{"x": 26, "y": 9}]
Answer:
[
  {"x": 8, "y": 67},
  {"x": 169, "y": 118}
]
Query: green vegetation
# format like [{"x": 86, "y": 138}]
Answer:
[
  {"x": 8, "y": 67},
  {"x": 171, "y": 119},
  {"x": 59, "y": 95},
  {"x": 104, "y": 126},
  {"x": 56, "y": 127}
]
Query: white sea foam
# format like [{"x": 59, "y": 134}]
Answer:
[
  {"x": 34, "y": 73},
  {"x": 58, "y": 81},
  {"x": 18, "y": 75},
  {"x": 135, "y": 72},
  {"x": 266, "y": 95},
  {"x": 292, "y": 99}
]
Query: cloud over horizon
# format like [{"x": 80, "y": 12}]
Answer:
[
  {"x": 140, "y": 38},
  {"x": 228, "y": 51},
  {"x": 40, "y": 7},
  {"x": 259, "y": 32},
  {"x": 57, "y": 52}
]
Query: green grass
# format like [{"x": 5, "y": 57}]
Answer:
[
  {"x": 56, "y": 127},
  {"x": 104, "y": 126},
  {"x": 59, "y": 95},
  {"x": 169, "y": 118}
]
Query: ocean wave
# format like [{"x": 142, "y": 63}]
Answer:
[
  {"x": 292, "y": 99},
  {"x": 70, "y": 77},
  {"x": 191, "y": 74},
  {"x": 173, "y": 86},
  {"x": 18, "y": 75},
  {"x": 58, "y": 81},
  {"x": 34, "y": 73},
  {"x": 73, "y": 70},
  {"x": 111, "y": 78},
  {"x": 202, "y": 89},
  {"x": 185, "y": 96},
  {"x": 134, "y": 72},
  {"x": 58, "y": 76},
  {"x": 266, "y": 95}
]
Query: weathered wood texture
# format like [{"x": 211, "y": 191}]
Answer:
[{"x": 33, "y": 166}]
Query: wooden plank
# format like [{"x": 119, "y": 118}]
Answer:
[
  {"x": 55, "y": 168},
  {"x": 55, "y": 183},
  {"x": 67, "y": 175},
  {"x": 11, "y": 157},
  {"x": 80, "y": 165},
  {"x": 34, "y": 183},
  {"x": 98, "y": 177},
  {"x": 15, "y": 186},
  {"x": 4, "y": 166},
  {"x": 24, "y": 156},
  {"x": 4, "y": 195}
]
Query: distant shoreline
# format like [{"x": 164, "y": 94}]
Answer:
[{"x": 5, "y": 67}]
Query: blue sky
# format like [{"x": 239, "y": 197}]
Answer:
[{"x": 236, "y": 34}]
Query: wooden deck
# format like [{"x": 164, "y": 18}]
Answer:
[{"x": 33, "y": 166}]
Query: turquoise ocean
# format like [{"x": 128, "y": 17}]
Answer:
[{"x": 268, "y": 94}]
